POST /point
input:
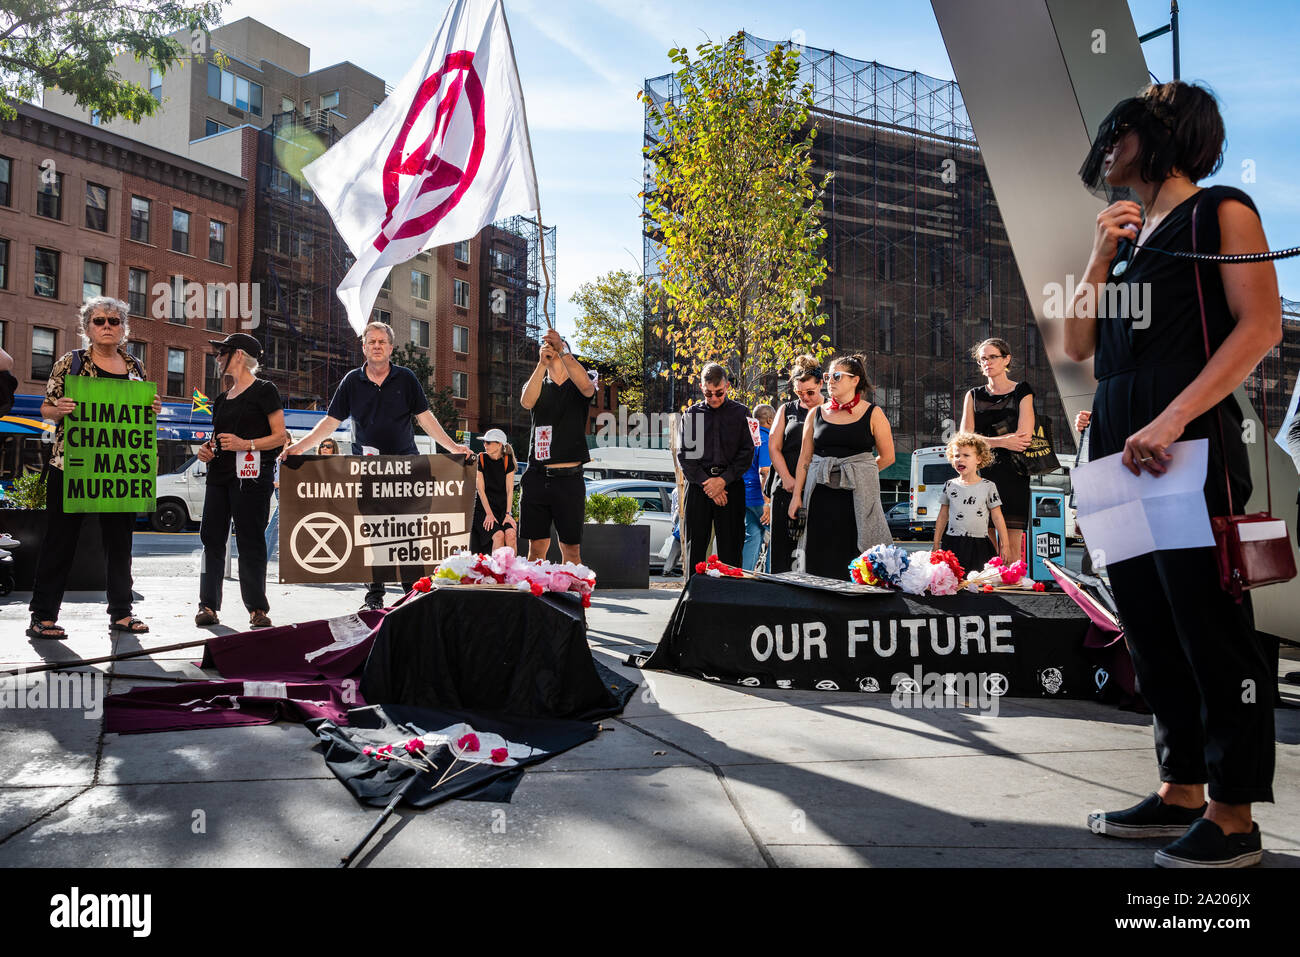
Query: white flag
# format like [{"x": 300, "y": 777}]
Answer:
[{"x": 445, "y": 155}]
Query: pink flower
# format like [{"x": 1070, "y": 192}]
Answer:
[
  {"x": 414, "y": 746},
  {"x": 996, "y": 561},
  {"x": 368, "y": 750},
  {"x": 468, "y": 742},
  {"x": 499, "y": 755}
]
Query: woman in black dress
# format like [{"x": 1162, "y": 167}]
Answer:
[
  {"x": 784, "y": 443},
  {"x": 248, "y": 433},
  {"x": 1002, "y": 413},
  {"x": 847, "y": 442},
  {"x": 1199, "y": 662},
  {"x": 494, "y": 523}
]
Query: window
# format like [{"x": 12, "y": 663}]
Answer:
[
  {"x": 286, "y": 105},
  {"x": 4, "y": 264},
  {"x": 419, "y": 285},
  {"x": 212, "y": 127},
  {"x": 885, "y": 330},
  {"x": 379, "y": 315},
  {"x": 47, "y": 273},
  {"x": 177, "y": 314},
  {"x": 938, "y": 411},
  {"x": 420, "y": 333},
  {"x": 42, "y": 352},
  {"x": 304, "y": 304},
  {"x": 6, "y": 172},
  {"x": 462, "y": 293},
  {"x": 936, "y": 265},
  {"x": 461, "y": 251},
  {"x": 239, "y": 92},
  {"x": 155, "y": 84},
  {"x": 308, "y": 197},
  {"x": 280, "y": 180},
  {"x": 387, "y": 284},
  {"x": 175, "y": 371},
  {"x": 330, "y": 101},
  {"x": 140, "y": 219},
  {"x": 502, "y": 260},
  {"x": 137, "y": 349},
  {"x": 286, "y": 240},
  {"x": 49, "y": 195},
  {"x": 3, "y": 327},
  {"x": 180, "y": 231},
  {"x": 94, "y": 118},
  {"x": 211, "y": 375},
  {"x": 137, "y": 292},
  {"x": 1031, "y": 345},
  {"x": 885, "y": 261},
  {"x": 216, "y": 241},
  {"x": 937, "y": 334},
  {"x": 97, "y": 207},
  {"x": 92, "y": 279},
  {"x": 460, "y": 339},
  {"x": 216, "y": 319},
  {"x": 460, "y": 385}
]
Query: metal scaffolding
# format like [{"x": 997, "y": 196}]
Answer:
[{"x": 920, "y": 268}]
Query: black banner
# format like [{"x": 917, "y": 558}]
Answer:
[{"x": 766, "y": 634}]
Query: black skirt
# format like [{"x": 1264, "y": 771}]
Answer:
[
  {"x": 1013, "y": 488},
  {"x": 832, "y": 541},
  {"x": 781, "y": 547},
  {"x": 973, "y": 553}
]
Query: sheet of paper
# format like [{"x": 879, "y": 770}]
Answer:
[{"x": 1123, "y": 515}]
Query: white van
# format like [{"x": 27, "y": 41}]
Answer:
[
  {"x": 930, "y": 469},
  {"x": 617, "y": 462}
]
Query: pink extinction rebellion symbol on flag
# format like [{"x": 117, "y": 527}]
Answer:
[{"x": 456, "y": 167}]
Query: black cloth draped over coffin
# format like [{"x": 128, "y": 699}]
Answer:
[
  {"x": 770, "y": 634},
  {"x": 496, "y": 651}
]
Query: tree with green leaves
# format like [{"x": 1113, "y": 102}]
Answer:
[
  {"x": 441, "y": 401},
  {"x": 736, "y": 214},
  {"x": 611, "y": 330},
  {"x": 70, "y": 44}
]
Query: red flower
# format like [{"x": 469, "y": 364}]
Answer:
[
  {"x": 943, "y": 557},
  {"x": 414, "y": 745},
  {"x": 499, "y": 755},
  {"x": 468, "y": 742},
  {"x": 713, "y": 559},
  {"x": 700, "y": 568},
  {"x": 424, "y": 584},
  {"x": 586, "y": 601},
  {"x": 536, "y": 589},
  {"x": 1039, "y": 586},
  {"x": 988, "y": 588}
]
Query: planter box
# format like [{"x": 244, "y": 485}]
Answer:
[
  {"x": 618, "y": 554},
  {"x": 28, "y": 526}
]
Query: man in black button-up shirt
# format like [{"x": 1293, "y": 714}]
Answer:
[{"x": 714, "y": 447}]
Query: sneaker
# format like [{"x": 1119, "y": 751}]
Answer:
[
  {"x": 1152, "y": 818},
  {"x": 1205, "y": 845},
  {"x": 7, "y": 540}
]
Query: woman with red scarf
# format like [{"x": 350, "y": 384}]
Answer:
[{"x": 847, "y": 443}]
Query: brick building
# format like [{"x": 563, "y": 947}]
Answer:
[{"x": 87, "y": 212}]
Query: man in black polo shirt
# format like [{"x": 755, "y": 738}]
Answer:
[
  {"x": 552, "y": 491},
  {"x": 380, "y": 398},
  {"x": 715, "y": 447}
]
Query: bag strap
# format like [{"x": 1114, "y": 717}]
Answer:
[{"x": 1263, "y": 392}]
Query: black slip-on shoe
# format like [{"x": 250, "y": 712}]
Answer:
[
  {"x": 1152, "y": 818},
  {"x": 1205, "y": 845}
]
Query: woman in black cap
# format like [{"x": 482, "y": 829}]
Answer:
[{"x": 247, "y": 433}]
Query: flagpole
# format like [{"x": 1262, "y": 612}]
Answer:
[{"x": 541, "y": 230}]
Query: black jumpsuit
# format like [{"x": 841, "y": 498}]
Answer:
[
  {"x": 1199, "y": 663},
  {"x": 791, "y": 443}
]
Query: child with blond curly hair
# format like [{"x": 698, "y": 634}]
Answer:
[{"x": 970, "y": 505}]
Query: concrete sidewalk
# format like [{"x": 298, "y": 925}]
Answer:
[{"x": 693, "y": 773}]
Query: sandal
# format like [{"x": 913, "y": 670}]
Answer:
[
  {"x": 259, "y": 619},
  {"x": 40, "y": 629},
  {"x": 133, "y": 626},
  {"x": 206, "y": 616}
]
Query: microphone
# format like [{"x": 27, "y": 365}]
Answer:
[{"x": 1126, "y": 250}]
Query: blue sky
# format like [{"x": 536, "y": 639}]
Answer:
[{"x": 581, "y": 63}]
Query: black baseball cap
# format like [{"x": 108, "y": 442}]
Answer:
[{"x": 238, "y": 340}]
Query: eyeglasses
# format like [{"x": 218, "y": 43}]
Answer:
[
  {"x": 111, "y": 320},
  {"x": 985, "y": 359},
  {"x": 719, "y": 394},
  {"x": 836, "y": 376}
]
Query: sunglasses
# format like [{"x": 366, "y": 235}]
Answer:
[
  {"x": 719, "y": 394},
  {"x": 837, "y": 376},
  {"x": 111, "y": 320}
]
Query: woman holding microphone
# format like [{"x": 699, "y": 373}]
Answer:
[{"x": 248, "y": 432}]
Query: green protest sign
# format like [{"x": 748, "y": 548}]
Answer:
[{"x": 110, "y": 446}]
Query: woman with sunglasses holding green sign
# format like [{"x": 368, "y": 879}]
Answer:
[{"x": 103, "y": 329}]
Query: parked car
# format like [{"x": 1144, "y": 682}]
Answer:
[
  {"x": 901, "y": 525},
  {"x": 654, "y": 500}
]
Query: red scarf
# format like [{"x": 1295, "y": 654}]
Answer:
[{"x": 847, "y": 406}]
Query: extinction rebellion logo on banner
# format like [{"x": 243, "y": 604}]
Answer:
[{"x": 343, "y": 516}]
